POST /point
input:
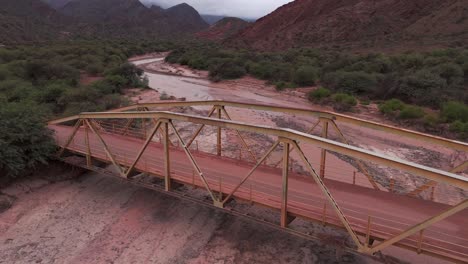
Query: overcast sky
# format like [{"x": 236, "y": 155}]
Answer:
[{"x": 237, "y": 8}]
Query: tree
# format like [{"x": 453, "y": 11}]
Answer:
[
  {"x": 306, "y": 76},
  {"x": 25, "y": 142}
]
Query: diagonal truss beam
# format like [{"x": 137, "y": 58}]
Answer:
[
  {"x": 244, "y": 144},
  {"x": 430, "y": 184},
  {"x": 70, "y": 138},
  {"x": 189, "y": 143},
  {"x": 291, "y": 149},
  {"x": 143, "y": 148},
  {"x": 360, "y": 164},
  {"x": 106, "y": 148},
  {"x": 327, "y": 194},
  {"x": 194, "y": 163},
  {"x": 419, "y": 227},
  {"x": 252, "y": 171}
]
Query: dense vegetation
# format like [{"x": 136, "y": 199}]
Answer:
[
  {"x": 433, "y": 79},
  {"x": 42, "y": 82}
]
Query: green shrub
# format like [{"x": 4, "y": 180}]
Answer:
[
  {"x": 283, "y": 85},
  {"x": 452, "y": 111},
  {"x": 431, "y": 121},
  {"x": 344, "y": 102},
  {"x": 24, "y": 142},
  {"x": 461, "y": 128},
  {"x": 391, "y": 106},
  {"x": 352, "y": 82},
  {"x": 228, "y": 70},
  {"x": 306, "y": 76},
  {"x": 411, "y": 112},
  {"x": 319, "y": 94}
]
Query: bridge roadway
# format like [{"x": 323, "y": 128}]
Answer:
[{"x": 390, "y": 213}]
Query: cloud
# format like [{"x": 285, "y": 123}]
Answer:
[{"x": 237, "y": 8}]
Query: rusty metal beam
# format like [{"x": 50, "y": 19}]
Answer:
[
  {"x": 194, "y": 163},
  {"x": 323, "y": 155},
  {"x": 143, "y": 148},
  {"x": 167, "y": 158},
  {"x": 432, "y": 184},
  {"x": 418, "y": 227},
  {"x": 284, "y": 196},
  {"x": 88, "y": 147},
  {"x": 252, "y": 155},
  {"x": 301, "y": 111},
  {"x": 70, "y": 138},
  {"x": 218, "y": 133},
  {"x": 328, "y": 195},
  {"x": 359, "y": 163},
  {"x": 106, "y": 148},
  {"x": 292, "y": 148},
  {"x": 200, "y": 129},
  {"x": 358, "y": 153},
  {"x": 252, "y": 171}
]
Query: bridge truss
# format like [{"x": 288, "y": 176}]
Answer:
[{"x": 127, "y": 139}]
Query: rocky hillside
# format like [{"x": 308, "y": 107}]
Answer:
[
  {"x": 223, "y": 29},
  {"x": 121, "y": 18},
  {"x": 325, "y": 22},
  {"x": 37, "y": 20},
  {"x": 29, "y": 20}
]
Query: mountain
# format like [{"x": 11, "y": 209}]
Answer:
[
  {"x": 212, "y": 19},
  {"x": 185, "y": 17},
  {"x": 29, "y": 20},
  {"x": 223, "y": 29},
  {"x": 56, "y": 4},
  {"x": 121, "y": 18},
  {"x": 325, "y": 22}
]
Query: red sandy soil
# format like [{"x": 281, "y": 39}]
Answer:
[{"x": 96, "y": 219}]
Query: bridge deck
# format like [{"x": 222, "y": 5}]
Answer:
[{"x": 390, "y": 213}]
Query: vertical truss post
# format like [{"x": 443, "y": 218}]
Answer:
[
  {"x": 323, "y": 156},
  {"x": 88, "y": 148},
  {"x": 167, "y": 160},
  {"x": 218, "y": 145},
  {"x": 106, "y": 148},
  {"x": 284, "y": 197},
  {"x": 368, "y": 230}
]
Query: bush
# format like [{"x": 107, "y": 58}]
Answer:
[
  {"x": 344, "y": 102},
  {"x": 461, "y": 128},
  {"x": 352, "y": 82},
  {"x": 452, "y": 111},
  {"x": 283, "y": 85},
  {"x": 391, "y": 106},
  {"x": 24, "y": 141},
  {"x": 306, "y": 76},
  {"x": 228, "y": 70},
  {"x": 411, "y": 112},
  {"x": 319, "y": 94}
]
